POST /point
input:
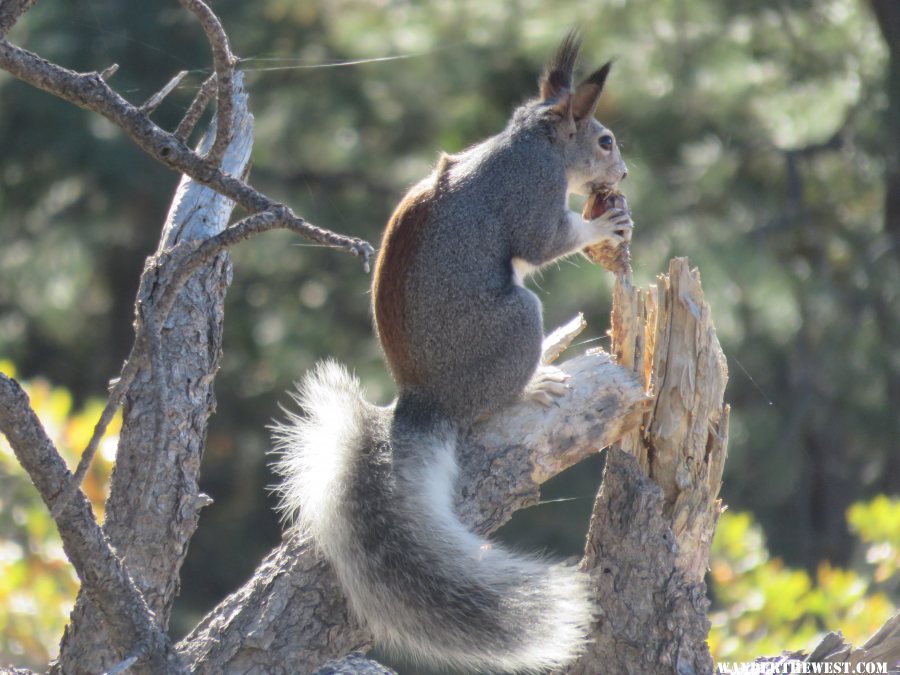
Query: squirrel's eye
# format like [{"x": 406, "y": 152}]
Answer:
[{"x": 606, "y": 142}]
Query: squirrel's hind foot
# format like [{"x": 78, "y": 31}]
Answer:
[{"x": 548, "y": 383}]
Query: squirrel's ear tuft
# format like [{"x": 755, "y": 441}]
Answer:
[
  {"x": 556, "y": 82},
  {"x": 587, "y": 95}
]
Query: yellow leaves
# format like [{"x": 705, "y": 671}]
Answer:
[
  {"x": 877, "y": 520},
  {"x": 740, "y": 543},
  {"x": 764, "y": 607},
  {"x": 860, "y": 610},
  {"x": 877, "y": 524}
]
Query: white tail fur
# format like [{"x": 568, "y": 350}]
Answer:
[{"x": 383, "y": 517}]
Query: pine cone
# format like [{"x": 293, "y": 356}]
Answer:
[{"x": 614, "y": 259}]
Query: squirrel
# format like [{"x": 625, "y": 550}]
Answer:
[{"x": 373, "y": 486}]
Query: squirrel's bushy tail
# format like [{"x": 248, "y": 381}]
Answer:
[{"x": 379, "y": 505}]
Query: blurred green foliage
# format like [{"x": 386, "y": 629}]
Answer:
[
  {"x": 762, "y": 607},
  {"x": 755, "y": 136},
  {"x": 877, "y": 524}
]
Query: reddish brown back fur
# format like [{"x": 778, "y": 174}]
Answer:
[{"x": 402, "y": 238}]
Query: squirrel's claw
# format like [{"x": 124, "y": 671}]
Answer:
[{"x": 613, "y": 227}]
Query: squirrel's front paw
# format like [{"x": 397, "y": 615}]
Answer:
[
  {"x": 614, "y": 227},
  {"x": 548, "y": 382}
]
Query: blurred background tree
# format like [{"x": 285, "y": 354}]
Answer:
[{"x": 761, "y": 137}]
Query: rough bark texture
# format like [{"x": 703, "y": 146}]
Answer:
[
  {"x": 154, "y": 501},
  {"x": 656, "y": 512},
  {"x": 10, "y": 11},
  {"x": 289, "y": 618},
  {"x": 652, "y": 619}
]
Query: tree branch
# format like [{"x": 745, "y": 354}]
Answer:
[
  {"x": 152, "y": 103},
  {"x": 223, "y": 62},
  {"x": 10, "y": 12},
  {"x": 103, "y": 577},
  {"x": 90, "y": 91},
  {"x": 195, "y": 110},
  {"x": 172, "y": 272}
]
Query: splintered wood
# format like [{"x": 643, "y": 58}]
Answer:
[
  {"x": 666, "y": 336},
  {"x": 652, "y": 523}
]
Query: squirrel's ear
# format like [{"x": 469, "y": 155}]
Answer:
[
  {"x": 585, "y": 98},
  {"x": 556, "y": 82}
]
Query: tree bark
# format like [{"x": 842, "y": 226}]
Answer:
[
  {"x": 654, "y": 518},
  {"x": 154, "y": 501}
]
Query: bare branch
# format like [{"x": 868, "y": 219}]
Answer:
[
  {"x": 89, "y": 91},
  {"x": 195, "y": 110},
  {"x": 223, "y": 62},
  {"x": 153, "y": 102},
  {"x": 178, "y": 268},
  {"x": 171, "y": 267},
  {"x": 101, "y": 572},
  {"x": 10, "y": 12}
]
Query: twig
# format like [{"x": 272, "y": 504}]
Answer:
[
  {"x": 223, "y": 62},
  {"x": 10, "y": 12},
  {"x": 153, "y": 102},
  {"x": 198, "y": 105},
  {"x": 89, "y": 91},
  {"x": 184, "y": 265},
  {"x": 117, "y": 394},
  {"x": 109, "y": 71},
  {"x": 560, "y": 339}
]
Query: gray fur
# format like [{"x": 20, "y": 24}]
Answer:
[{"x": 373, "y": 486}]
